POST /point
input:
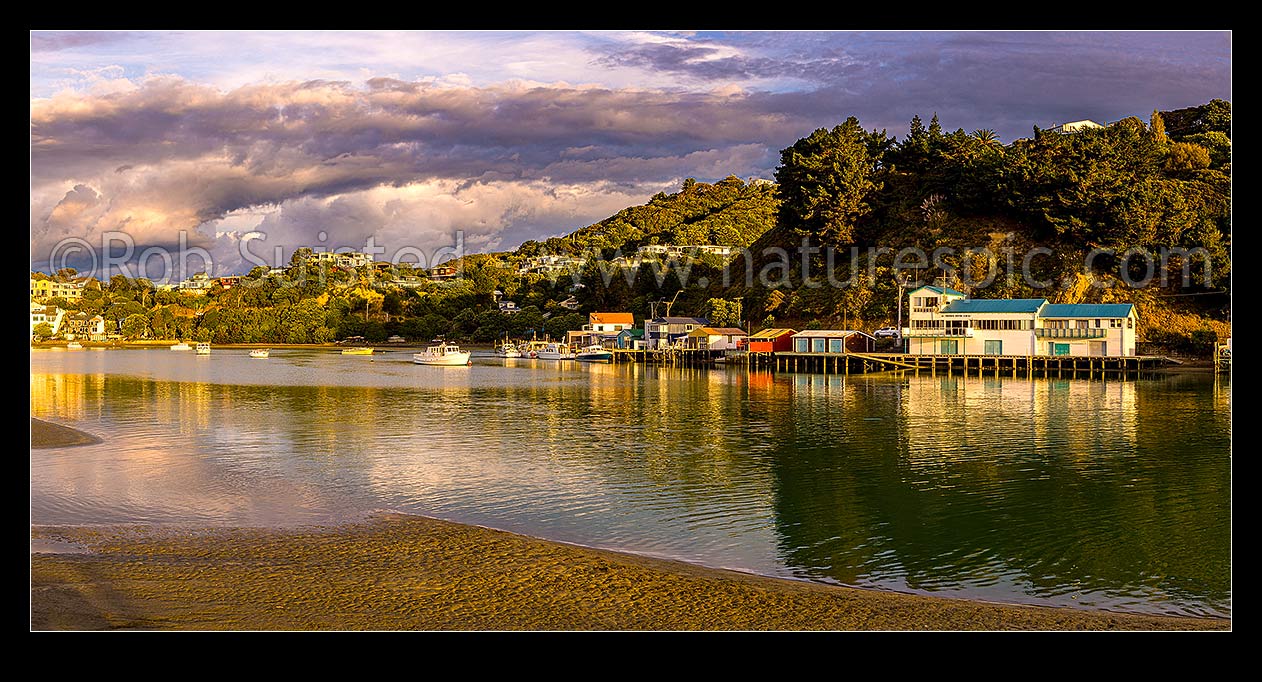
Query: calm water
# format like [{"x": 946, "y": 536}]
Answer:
[{"x": 1071, "y": 492}]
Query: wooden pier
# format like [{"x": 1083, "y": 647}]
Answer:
[
  {"x": 1011, "y": 365},
  {"x": 865, "y": 363}
]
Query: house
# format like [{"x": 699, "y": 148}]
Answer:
[
  {"x": 681, "y": 251},
  {"x": 609, "y": 322},
  {"x": 508, "y": 307},
  {"x": 770, "y": 341},
  {"x": 197, "y": 284},
  {"x": 715, "y": 338},
  {"x": 663, "y": 332},
  {"x": 547, "y": 264},
  {"x": 83, "y": 326},
  {"x": 341, "y": 259},
  {"x": 631, "y": 339},
  {"x": 601, "y": 329},
  {"x": 1075, "y": 126},
  {"x": 443, "y": 273},
  {"x": 44, "y": 289},
  {"x": 51, "y": 314},
  {"x": 944, "y": 321},
  {"x": 833, "y": 341},
  {"x": 570, "y": 303},
  {"x": 228, "y": 282},
  {"x": 1089, "y": 329}
]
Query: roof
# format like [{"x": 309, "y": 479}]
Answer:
[
  {"x": 611, "y": 318},
  {"x": 828, "y": 333},
  {"x": 717, "y": 331},
  {"x": 942, "y": 290},
  {"x": 1087, "y": 310},
  {"x": 996, "y": 305},
  {"x": 681, "y": 320},
  {"x": 632, "y": 332},
  {"x": 772, "y": 333}
]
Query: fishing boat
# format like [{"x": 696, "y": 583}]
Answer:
[
  {"x": 203, "y": 349},
  {"x": 261, "y": 353},
  {"x": 594, "y": 353},
  {"x": 555, "y": 351},
  {"x": 359, "y": 350},
  {"x": 74, "y": 345},
  {"x": 181, "y": 346},
  {"x": 446, "y": 355},
  {"x": 508, "y": 349}
]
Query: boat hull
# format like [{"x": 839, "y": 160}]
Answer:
[
  {"x": 181, "y": 346},
  {"x": 357, "y": 351},
  {"x": 508, "y": 354},
  {"x": 603, "y": 356},
  {"x": 448, "y": 360},
  {"x": 553, "y": 355},
  {"x": 259, "y": 355}
]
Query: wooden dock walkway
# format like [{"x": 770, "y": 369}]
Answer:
[{"x": 865, "y": 363}]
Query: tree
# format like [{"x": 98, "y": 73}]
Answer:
[
  {"x": 986, "y": 136},
  {"x": 825, "y": 180},
  {"x": 723, "y": 313},
  {"x": 135, "y": 326},
  {"x": 1157, "y": 126},
  {"x": 42, "y": 330},
  {"x": 1186, "y": 156}
]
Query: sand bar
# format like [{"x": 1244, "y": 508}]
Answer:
[{"x": 403, "y": 573}]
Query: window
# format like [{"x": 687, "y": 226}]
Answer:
[
  {"x": 801, "y": 345},
  {"x": 819, "y": 345},
  {"x": 1055, "y": 324},
  {"x": 926, "y": 324},
  {"x": 994, "y": 348},
  {"x": 1099, "y": 323},
  {"x": 1082, "y": 324},
  {"x": 1115, "y": 324},
  {"x": 950, "y": 347},
  {"x": 687, "y": 327},
  {"x": 835, "y": 345},
  {"x": 1130, "y": 323}
]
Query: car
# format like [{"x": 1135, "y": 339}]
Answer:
[{"x": 887, "y": 333}]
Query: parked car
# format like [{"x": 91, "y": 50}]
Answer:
[{"x": 887, "y": 333}]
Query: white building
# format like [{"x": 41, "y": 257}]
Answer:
[
  {"x": 199, "y": 283},
  {"x": 944, "y": 321},
  {"x": 41, "y": 314},
  {"x": 1075, "y": 126}
]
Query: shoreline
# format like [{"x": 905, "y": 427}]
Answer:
[
  {"x": 46, "y": 435},
  {"x": 402, "y": 572}
]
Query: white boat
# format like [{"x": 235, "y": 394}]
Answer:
[
  {"x": 555, "y": 351},
  {"x": 74, "y": 345},
  {"x": 447, "y": 355},
  {"x": 203, "y": 349},
  {"x": 260, "y": 352},
  {"x": 594, "y": 353},
  {"x": 181, "y": 346},
  {"x": 508, "y": 350}
]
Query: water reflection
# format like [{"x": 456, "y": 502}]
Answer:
[{"x": 1098, "y": 493}]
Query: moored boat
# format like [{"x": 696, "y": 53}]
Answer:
[
  {"x": 508, "y": 349},
  {"x": 360, "y": 350},
  {"x": 446, "y": 355},
  {"x": 203, "y": 349},
  {"x": 74, "y": 345},
  {"x": 555, "y": 351},
  {"x": 181, "y": 346},
  {"x": 260, "y": 353},
  {"x": 594, "y": 353}
]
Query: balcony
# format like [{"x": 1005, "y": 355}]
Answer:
[
  {"x": 922, "y": 309},
  {"x": 1077, "y": 333},
  {"x": 948, "y": 332}
]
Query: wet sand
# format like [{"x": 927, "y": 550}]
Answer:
[
  {"x": 403, "y": 573},
  {"x": 49, "y": 435}
]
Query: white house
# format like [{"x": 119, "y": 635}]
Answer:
[
  {"x": 715, "y": 338},
  {"x": 52, "y": 315},
  {"x": 1075, "y": 126},
  {"x": 944, "y": 321},
  {"x": 1095, "y": 329}
]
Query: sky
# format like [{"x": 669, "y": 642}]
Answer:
[{"x": 268, "y": 141}]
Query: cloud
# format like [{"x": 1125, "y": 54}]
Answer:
[{"x": 512, "y": 136}]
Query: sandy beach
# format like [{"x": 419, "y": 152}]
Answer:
[
  {"x": 49, "y": 435},
  {"x": 410, "y": 573}
]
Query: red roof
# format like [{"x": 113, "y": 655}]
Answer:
[{"x": 611, "y": 318}]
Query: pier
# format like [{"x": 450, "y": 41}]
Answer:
[{"x": 866, "y": 363}]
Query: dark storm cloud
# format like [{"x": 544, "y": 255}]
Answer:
[{"x": 1004, "y": 81}]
